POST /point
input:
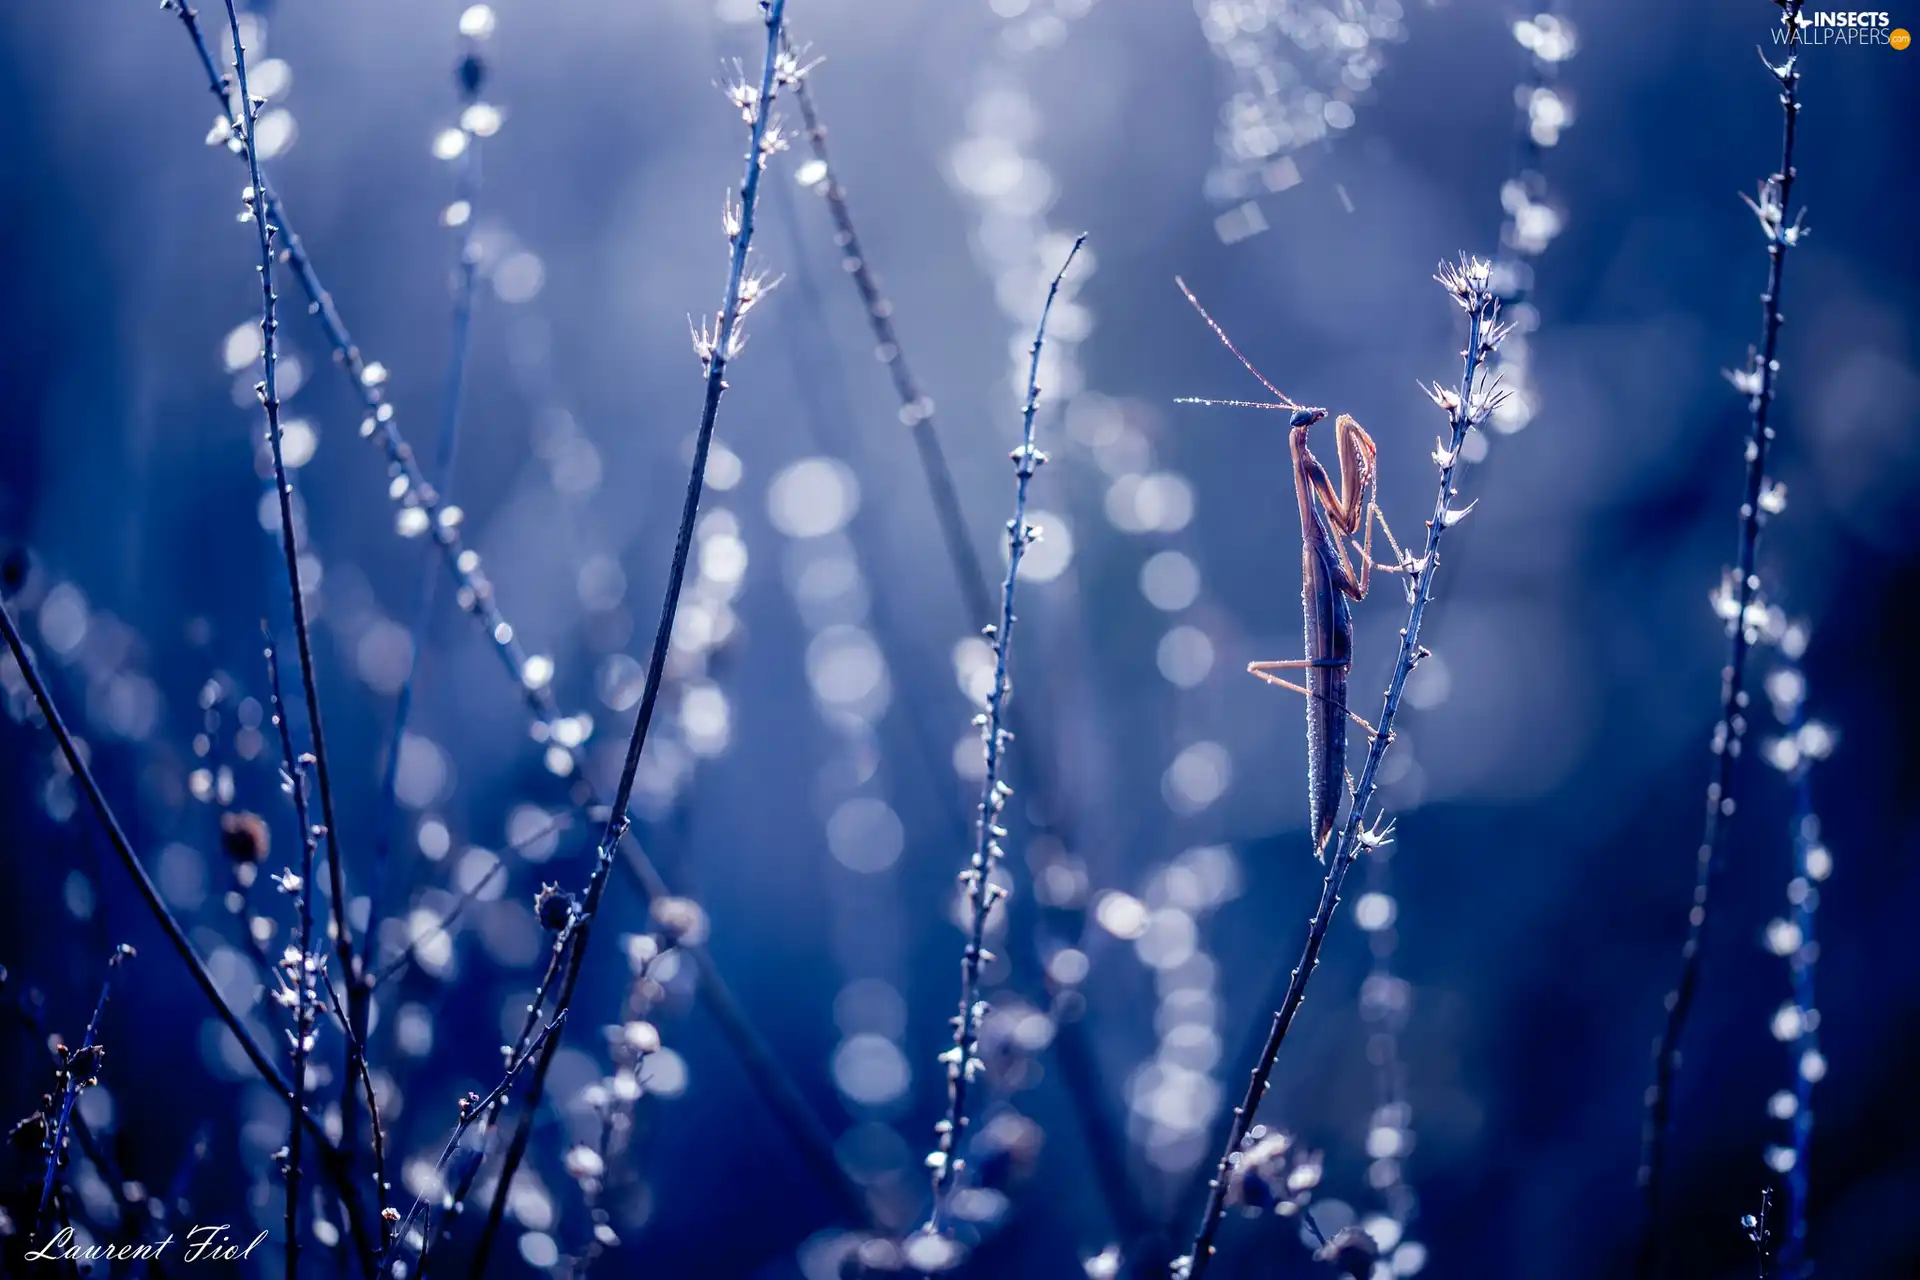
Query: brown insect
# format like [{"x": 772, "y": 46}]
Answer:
[{"x": 1330, "y": 519}]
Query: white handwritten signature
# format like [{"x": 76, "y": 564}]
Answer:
[{"x": 204, "y": 1244}]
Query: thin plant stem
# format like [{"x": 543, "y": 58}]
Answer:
[
  {"x": 1073, "y": 1052},
  {"x": 630, "y": 1052},
  {"x": 79, "y": 1070},
  {"x": 456, "y": 1199},
  {"x": 453, "y": 402},
  {"x": 239, "y": 899},
  {"x": 1080, "y": 1081},
  {"x": 1514, "y": 272},
  {"x": 1760, "y": 1232},
  {"x": 298, "y": 974},
  {"x": 401, "y": 963},
  {"x": 962, "y": 1061},
  {"x": 1465, "y": 408},
  {"x": 1758, "y": 381},
  {"x": 475, "y": 594},
  {"x": 410, "y": 954},
  {"x": 715, "y": 350},
  {"x": 269, "y": 394},
  {"x": 376, "y": 1130}
]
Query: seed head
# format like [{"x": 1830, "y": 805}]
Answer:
[
  {"x": 245, "y": 837},
  {"x": 682, "y": 921},
  {"x": 554, "y": 907},
  {"x": 1352, "y": 1252}
]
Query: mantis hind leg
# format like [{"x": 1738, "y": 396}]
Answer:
[{"x": 1265, "y": 671}]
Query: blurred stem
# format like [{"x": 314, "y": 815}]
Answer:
[
  {"x": 1806, "y": 837},
  {"x": 466, "y": 271}
]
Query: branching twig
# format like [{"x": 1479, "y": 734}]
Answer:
[
  {"x": 471, "y": 1107},
  {"x": 715, "y": 348},
  {"x": 455, "y": 1200},
  {"x": 79, "y": 1070},
  {"x": 27, "y": 1009},
  {"x": 632, "y": 1042},
  {"x": 398, "y": 966},
  {"x": 1465, "y": 408},
  {"x": 982, "y": 894},
  {"x": 1760, "y": 1232},
  {"x": 1757, "y": 380}
]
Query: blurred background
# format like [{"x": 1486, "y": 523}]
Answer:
[{"x": 1473, "y": 1055}]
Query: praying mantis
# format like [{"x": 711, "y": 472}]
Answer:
[{"x": 1329, "y": 579}]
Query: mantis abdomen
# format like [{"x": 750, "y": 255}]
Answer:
[{"x": 1329, "y": 649}]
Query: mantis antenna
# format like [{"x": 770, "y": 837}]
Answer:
[{"x": 1285, "y": 401}]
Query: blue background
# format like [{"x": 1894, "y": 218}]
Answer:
[{"x": 1546, "y": 849}]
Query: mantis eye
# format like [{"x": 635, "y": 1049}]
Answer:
[{"x": 1306, "y": 417}]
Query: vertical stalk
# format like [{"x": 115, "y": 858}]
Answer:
[
  {"x": 1758, "y": 380},
  {"x": 301, "y": 971},
  {"x": 982, "y": 895},
  {"x": 715, "y": 350},
  {"x": 1072, "y": 1051}
]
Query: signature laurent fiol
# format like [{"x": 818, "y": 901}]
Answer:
[{"x": 203, "y": 1244}]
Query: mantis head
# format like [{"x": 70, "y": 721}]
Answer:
[{"x": 1307, "y": 415}]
